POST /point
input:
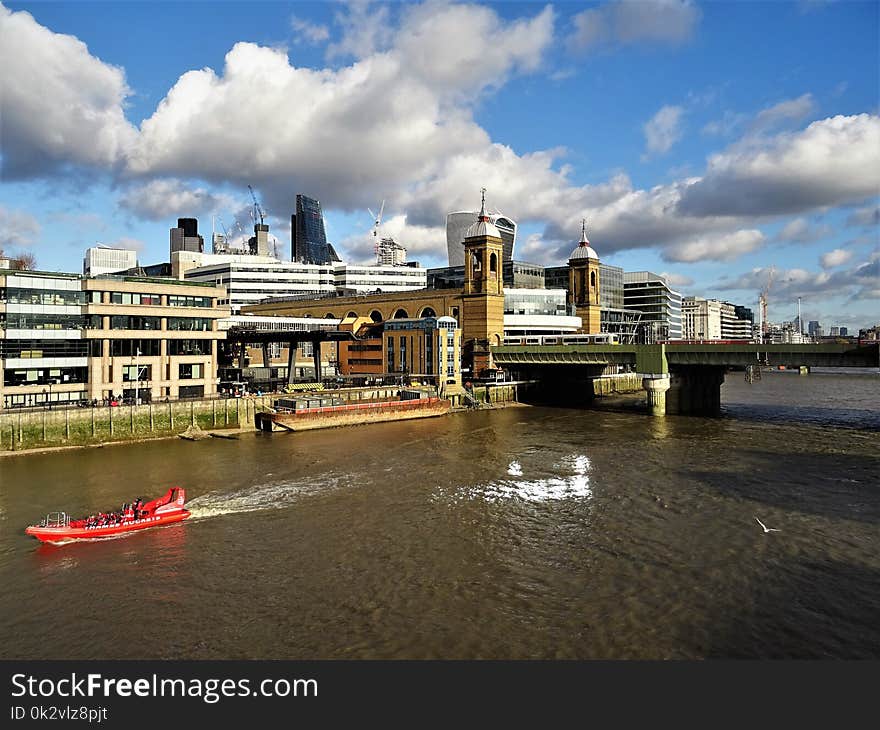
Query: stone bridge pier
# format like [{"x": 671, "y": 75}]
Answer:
[
  {"x": 656, "y": 387},
  {"x": 695, "y": 390}
]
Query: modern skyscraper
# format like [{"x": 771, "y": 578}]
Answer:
[
  {"x": 457, "y": 225},
  {"x": 308, "y": 241},
  {"x": 186, "y": 236}
]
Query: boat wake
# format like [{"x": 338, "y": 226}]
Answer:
[
  {"x": 573, "y": 486},
  {"x": 260, "y": 497}
]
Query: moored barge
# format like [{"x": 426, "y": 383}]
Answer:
[{"x": 321, "y": 410}]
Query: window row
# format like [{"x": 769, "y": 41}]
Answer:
[
  {"x": 42, "y": 296},
  {"x": 45, "y": 376}
]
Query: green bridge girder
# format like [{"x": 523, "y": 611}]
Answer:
[{"x": 658, "y": 358}]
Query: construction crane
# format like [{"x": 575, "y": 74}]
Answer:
[
  {"x": 223, "y": 247},
  {"x": 257, "y": 208},
  {"x": 762, "y": 301},
  {"x": 377, "y": 220}
]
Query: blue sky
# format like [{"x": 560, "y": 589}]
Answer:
[{"x": 710, "y": 141}]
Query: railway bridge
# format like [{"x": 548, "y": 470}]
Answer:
[{"x": 678, "y": 378}]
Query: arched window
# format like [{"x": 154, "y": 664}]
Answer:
[
  {"x": 376, "y": 315},
  {"x": 493, "y": 264},
  {"x": 401, "y": 314},
  {"x": 592, "y": 280},
  {"x": 352, "y": 314},
  {"x": 329, "y": 315},
  {"x": 476, "y": 262},
  {"x": 428, "y": 312}
]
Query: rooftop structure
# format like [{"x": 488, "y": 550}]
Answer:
[{"x": 108, "y": 260}]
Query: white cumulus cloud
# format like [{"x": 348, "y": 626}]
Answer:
[
  {"x": 397, "y": 122},
  {"x": 837, "y": 257},
  {"x": 800, "y": 230},
  {"x": 62, "y": 107},
  {"x": 310, "y": 32},
  {"x": 170, "y": 198},
  {"x": 832, "y": 162},
  {"x": 663, "y": 130},
  {"x": 724, "y": 247},
  {"x": 677, "y": 280}
]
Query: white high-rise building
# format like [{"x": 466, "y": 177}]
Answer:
[
  {"x": 102, "y": 259},
  {"x": 700, "y": 319},
  {"x": 390, "y": 253},
  {"x": 712, "y": 319},
  {"x": 253, "y": 279}
]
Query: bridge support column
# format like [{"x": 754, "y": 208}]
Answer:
[
  {"x": 317, "y": 358},
  {"x": 265, "y": 354},
  {"x": 695, "y": 390},
  {"x": 656, "y": 387},
  {"x": 291, "y": 362}
]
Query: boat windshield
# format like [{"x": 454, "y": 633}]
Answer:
[{"x": 56, "y": 519}]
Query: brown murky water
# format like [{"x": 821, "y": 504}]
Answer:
[{"x": 520, "y": 533}]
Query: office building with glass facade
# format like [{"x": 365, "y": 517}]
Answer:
[
  {"x": 537, "y": 312},
  {"x": 66, "y": 338},
  {"x": 516, "y": 274},
  {"x": 308, "y": 240},
  {"x": 660, "y": 306}
]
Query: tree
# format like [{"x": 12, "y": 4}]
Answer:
[{"x": 24, "y": 262}]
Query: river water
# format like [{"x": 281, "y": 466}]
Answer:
[{"x": 517, "y": 533}]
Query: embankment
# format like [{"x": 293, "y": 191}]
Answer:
[{"x": 38, "y": 430}]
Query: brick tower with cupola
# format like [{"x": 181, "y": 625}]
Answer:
[
  {"x": 584, "y": 284},
  {"x": 482, "y": 316}
]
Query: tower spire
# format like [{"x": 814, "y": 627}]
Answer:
[
  {"x": 483, "y": 216},
  {"x": 584, "y": 241}
]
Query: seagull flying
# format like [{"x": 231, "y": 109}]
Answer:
[{"x": 767, "y": 529}]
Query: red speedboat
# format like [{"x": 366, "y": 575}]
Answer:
[{"x": 59, "y": 528}]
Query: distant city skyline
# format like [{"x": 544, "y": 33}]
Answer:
[{"x": 709, "y": 142}]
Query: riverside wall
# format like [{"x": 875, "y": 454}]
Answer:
[
  {"x": 617, "y": 384},
  {"x": 26, "y": 430}
]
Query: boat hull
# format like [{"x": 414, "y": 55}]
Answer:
[
  {"x": 62, "y": 534},
  {"x": 351, "y": 415}
]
